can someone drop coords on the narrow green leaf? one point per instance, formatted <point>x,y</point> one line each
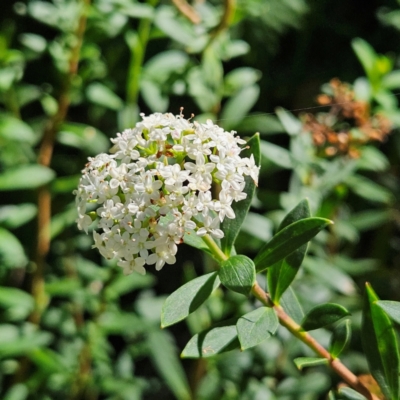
<point>292,306</point>
<point>340,338</point>
<point>211,342</point>
<point>368,189</point>
<point>302,362</point>
<point>391,308</point>
<point>25,177</point>
<point>101,95</point>
<point>331,395</point>
<point>15,303</point>
<point>12,128</point>
<point>281,274</point>
<point>238,274</point>
<point>291,124</point>
<point>256,326</point>
<point>276,154</point>
<point>237,107</point>
<point>18,391</point>
<point>13,216</point>
<point>231,227</point>
<point>12,253</point>
<point>288,240</point>
<point>165,359</point>
<point>366,55</point>
<point>322,315</point>
<point>188,298</point>
<point>380,345</point>
<point>347,393</point>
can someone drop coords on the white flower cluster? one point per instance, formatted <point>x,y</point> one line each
<point>156,185</point>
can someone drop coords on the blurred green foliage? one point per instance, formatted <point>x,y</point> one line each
<point>76,72</point>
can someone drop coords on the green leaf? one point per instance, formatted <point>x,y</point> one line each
<point>152,94</point>
<point>18,391</point>
<point>276,154</point>
<point>256,326</point>
<point>213,341</point>
<point>16,345</point>
<point>178,30</point>
<point>12,254</point>
<point>347,393</point>
<point>127,284</point>
<point>83,137</point>
<point>13,216</point>
<point>101,95</point>
<point>380,345</point>
<point>160,67</point>
<point>322,315</point>
<point>367,56</point>
<point>291,124</point>
<point>369,190</point>
<point>241,77</point>
<point>340,338</point>
<point>281,274</point>
<point>291,304</point>
<point>331,395</point>
<point>165,359</point>
<point>288,240</point>
<point>264,124</point>
<point>12,128</point>
<point>329,275</point>
<point>391,308</point>
<point>188,298</point>
<point>62,220</point>
<point>17,304</point>
<point>302,362</point>
<point>370,219</point>
<point>238,273</point>
<point>237,107</point>
<point>25,177</point>
<point>231,227</point>
<point>372,159</point>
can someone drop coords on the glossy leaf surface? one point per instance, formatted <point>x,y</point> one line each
<point>302,362</point>
<point>340,338</point>
<point>25,177</point>
<point>380,345</point>
<point>231,227</point>
<point>288,240</point>
<point>188,298</point>
<point>211,342</point>
<point>391,308</point>
<point>282,273</point>
<point>323,315</point>
<point>256,326</point>
<point>238,274</point>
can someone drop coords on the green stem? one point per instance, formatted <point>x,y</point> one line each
<point>138,52</point>
<point>215,249</point>
<point>295,329</point>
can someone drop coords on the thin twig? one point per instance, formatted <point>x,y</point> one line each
<point>229,11</point>
<point>187,10</point>
<point>295,329</point>
<point>44,158</point>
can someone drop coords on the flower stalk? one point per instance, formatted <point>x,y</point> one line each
<point>295,329</point>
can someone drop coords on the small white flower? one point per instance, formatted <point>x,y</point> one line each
<point>156,185</point>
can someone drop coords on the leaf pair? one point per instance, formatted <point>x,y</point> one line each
<point>380,343</point>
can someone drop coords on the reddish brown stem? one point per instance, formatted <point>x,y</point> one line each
<point>44,158</point>
<point>294,328</point>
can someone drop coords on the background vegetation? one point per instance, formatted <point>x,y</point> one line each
<point>75,72</point>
